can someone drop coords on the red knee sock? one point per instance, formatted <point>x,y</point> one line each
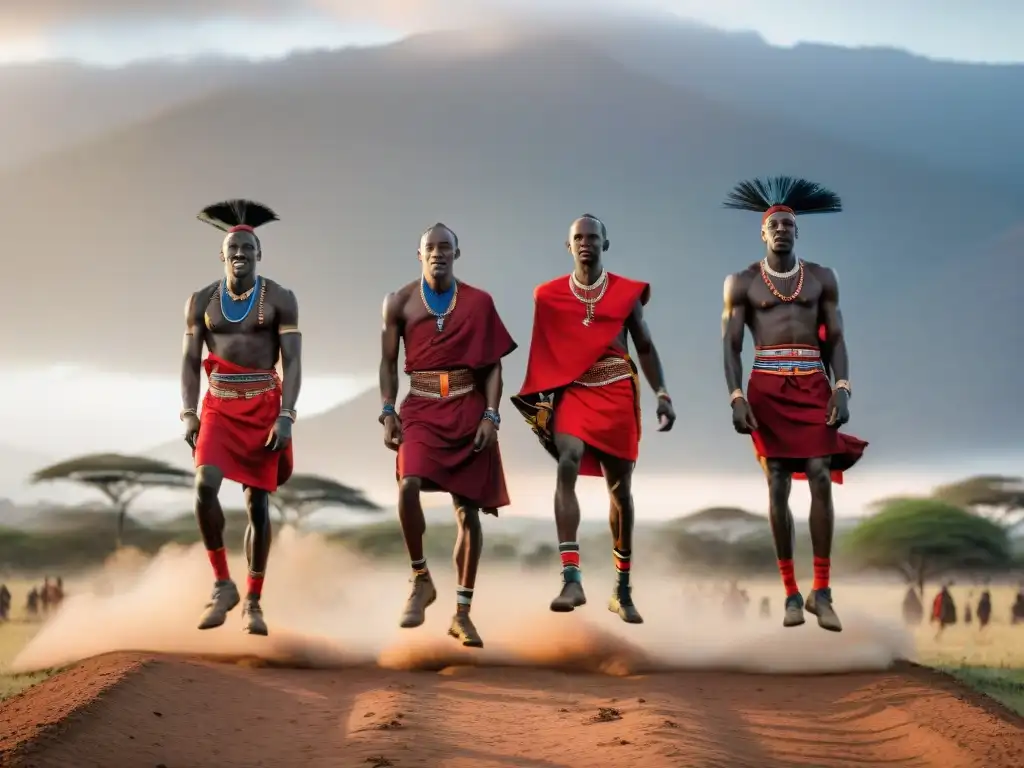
<point>219,561</point>
<point>788,577</point>
<point>822,569</point>
<point>254,585</point>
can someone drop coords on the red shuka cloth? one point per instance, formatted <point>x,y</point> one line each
<point>233,433</point>
<point>605,418</point>
<point>437,434</point>
<point>791,413</point>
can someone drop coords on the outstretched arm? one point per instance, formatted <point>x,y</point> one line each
<point>832,319</point>
<point>291,350</point>
<point>646,352</point>
<point>192,354</point>
<point>734,325</point>
<point>390,338</point>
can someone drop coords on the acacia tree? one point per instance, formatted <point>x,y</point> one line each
<point>304,494</point>
<point>118,477</point>
<point>923,539</point>
<point>992,495</point>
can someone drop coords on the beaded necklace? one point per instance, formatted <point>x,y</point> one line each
<point>440,305</point>
<point>798,269</point>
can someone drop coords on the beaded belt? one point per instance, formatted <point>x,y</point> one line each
<point>230,386</point>
<point>607,370</point>
<point>442,384</point>
<point>788,361</point>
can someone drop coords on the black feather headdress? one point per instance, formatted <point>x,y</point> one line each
<point>235,215</point>
<point>781,193</point>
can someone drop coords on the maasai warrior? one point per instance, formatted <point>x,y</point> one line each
<point>248,323</point>
<point>791,408</point>
<point>446,432</point>
<point>581,397</point>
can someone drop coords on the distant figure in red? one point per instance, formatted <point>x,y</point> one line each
<point>792,409</point>
<point>248,323</point>
<point>943,609</point>
<point>446,430</point>
<point>581,397</point>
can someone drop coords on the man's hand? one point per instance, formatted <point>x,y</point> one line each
<point>191,422</point>
<point>838,408</point>
<point>486,435</point>
<point>281,434</point>
<point>666,414</point>
<point>392,431</point>
<point>743,420</point>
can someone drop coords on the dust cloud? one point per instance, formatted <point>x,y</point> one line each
<point>328,608</point>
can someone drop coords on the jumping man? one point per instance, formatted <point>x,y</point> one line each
<point>446,432</point>
<point>243,433</point>
<point>581,397</point>
<point>792,409</point>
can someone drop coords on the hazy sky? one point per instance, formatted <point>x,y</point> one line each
<point>66,410</point>
<point>114,31</point>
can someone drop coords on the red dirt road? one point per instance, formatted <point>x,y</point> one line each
<point>140,711</point>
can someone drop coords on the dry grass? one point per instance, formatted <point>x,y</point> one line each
<point>15,635</point>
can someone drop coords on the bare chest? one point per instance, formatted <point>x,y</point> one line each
<point>798,293</point>
<point>226,316</point>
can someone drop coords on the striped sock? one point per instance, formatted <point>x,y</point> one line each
<point>622,558</point>
<point>463,599</point>
<point>419,566</point>
<point>219,561</point>
<point>570,554</point>
<point>822,571</point>
<point>254,585</point>
<point>788,577</point>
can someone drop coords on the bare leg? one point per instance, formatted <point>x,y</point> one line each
<point>780,485</point>
<point>819,602</point>
<point>567,522</point>
<point>258,535</point>
<point>414,525</point>
<point>469,543</point>
<point>210,517</point>
<point>618,475</point>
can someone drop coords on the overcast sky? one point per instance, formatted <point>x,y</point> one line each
<point>116,31</point>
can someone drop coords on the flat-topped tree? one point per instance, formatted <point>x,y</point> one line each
<point>995,496</point>
<point>119,477</point>
<point>303,495</point>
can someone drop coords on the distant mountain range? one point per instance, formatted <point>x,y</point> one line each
<point>359,150</point>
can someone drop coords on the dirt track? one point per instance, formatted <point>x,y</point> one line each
<point>145,711</point>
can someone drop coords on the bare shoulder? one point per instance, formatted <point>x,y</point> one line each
<point>278,295</point>
<point>825,275</point>
<point>738,283</point>
<point>195,306</point>
<point>820,271</point>
<point>394,303</point>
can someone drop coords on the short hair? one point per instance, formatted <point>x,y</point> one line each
<point>592,217</point>
<point>439,225</point>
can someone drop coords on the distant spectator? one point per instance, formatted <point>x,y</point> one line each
<point>766,608</point>
<point>1017,611</point>
<point>944,609</point>
<point>5,602</point>
<point>913,610</point>
<point>32,602</point>
<point>984,609</point>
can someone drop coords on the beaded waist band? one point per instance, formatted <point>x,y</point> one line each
<point>605,371</point>
<point>442,384</point>
<point>234,385</point>
<point>788,361</point>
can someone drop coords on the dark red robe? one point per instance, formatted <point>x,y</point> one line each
<point>606,418</point>
<point>234,432</point>
<point>792,414</point>
<point>438,434</point>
